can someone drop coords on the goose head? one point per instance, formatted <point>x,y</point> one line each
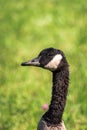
<point>49,58</point>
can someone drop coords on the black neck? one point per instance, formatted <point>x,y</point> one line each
<point>59,94</point>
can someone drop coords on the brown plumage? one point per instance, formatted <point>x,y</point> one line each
<point>43,126</point>
<point>55,61</point>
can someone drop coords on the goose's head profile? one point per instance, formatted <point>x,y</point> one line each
<point>49,58</point>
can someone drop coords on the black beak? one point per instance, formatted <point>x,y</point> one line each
<point>33,62</point>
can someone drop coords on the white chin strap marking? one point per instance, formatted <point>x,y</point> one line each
<point>53,64</point>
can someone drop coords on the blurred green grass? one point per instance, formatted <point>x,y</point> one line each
<point>26,27</point>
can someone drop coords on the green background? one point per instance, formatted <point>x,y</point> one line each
<point>26,27</point>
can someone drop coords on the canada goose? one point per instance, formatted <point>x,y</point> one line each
<point>55,61</point>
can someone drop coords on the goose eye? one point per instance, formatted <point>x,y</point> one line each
<point>49,54</point>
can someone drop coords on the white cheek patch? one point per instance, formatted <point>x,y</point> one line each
<point>53,64</point>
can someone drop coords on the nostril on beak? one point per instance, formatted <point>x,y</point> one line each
<point>33,60</point>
